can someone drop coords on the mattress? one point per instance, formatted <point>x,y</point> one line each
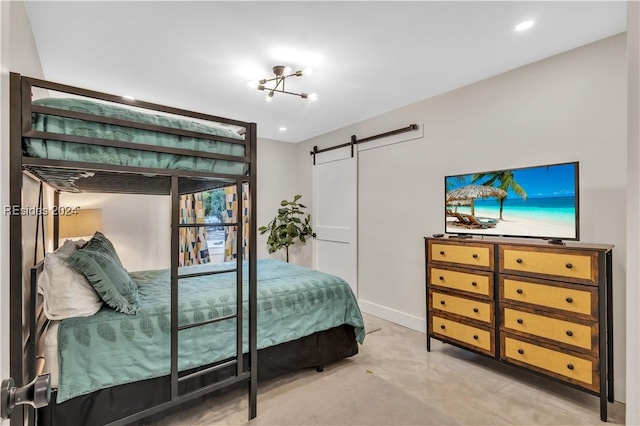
<point>57,150</point>
<point>111,348</point>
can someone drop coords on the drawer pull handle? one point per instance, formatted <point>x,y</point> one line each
<point>569,333</point>
<point>569,266</point>
<point>442,252</point>
<point>569,300</point>
<point>475,337</point>
<point>475,256</point>
<point>570,366</point>
<point>519,321</point>
<point>442,326</point>
<point>441,278</point>
<point>475,310</point>
<point>519,291</point>
<point>519,260</point>
<point>473,283</point>
<point>442,302</point>
<point>521,351</point>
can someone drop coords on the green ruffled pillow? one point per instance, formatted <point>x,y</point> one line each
<point>100,264</point>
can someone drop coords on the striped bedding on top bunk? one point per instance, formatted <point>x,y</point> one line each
<point>111,348</point>
<point>69,151</point>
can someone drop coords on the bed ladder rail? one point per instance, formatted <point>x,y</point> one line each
<point>208,370</point>
<point>209,321</point>
<point>201,274</point>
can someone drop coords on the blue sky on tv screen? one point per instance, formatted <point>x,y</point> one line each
<point>538,182</point>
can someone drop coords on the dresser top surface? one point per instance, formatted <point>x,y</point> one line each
<point>523,242</point>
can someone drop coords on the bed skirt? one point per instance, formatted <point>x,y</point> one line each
<point>107,405</point>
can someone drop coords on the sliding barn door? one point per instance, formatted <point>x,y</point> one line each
<point>335,214</point>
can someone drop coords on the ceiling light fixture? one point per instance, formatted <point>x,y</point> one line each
<point>281,74</point>
<point>525,25</point>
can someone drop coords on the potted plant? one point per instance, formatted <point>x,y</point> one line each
<point>288,226</point>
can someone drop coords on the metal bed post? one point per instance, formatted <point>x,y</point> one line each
<point>253,275</point>
<point>16,357</point>
<point>175,236</point>
<point>56,219</point>
<point>239,258</point>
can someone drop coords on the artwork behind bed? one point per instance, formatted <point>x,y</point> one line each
<point>111,348</point>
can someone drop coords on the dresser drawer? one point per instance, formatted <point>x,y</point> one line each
<point>579,336</point>
<point>580,370</point>
<point>476,338</point>
<point>572,265</point>
<point>567,298</point>
<point>469,308</point>
<point>475,255</point>
<point>480,283</point>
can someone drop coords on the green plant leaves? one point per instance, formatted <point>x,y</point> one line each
<point>286,228</point>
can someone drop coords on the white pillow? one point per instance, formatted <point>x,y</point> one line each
<point>67,293</point>
<point>51,352</point>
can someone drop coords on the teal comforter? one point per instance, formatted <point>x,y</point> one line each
<point>56,150</point>
<point>111,348</point>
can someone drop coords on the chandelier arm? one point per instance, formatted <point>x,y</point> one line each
<point>270,79</point>
<point>282,91</point>
<point>278,81</point>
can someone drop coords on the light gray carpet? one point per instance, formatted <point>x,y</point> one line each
<point>354,398</point>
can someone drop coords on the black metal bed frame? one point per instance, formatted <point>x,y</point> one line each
<point>27,320</point>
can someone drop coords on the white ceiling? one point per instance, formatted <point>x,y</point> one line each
<point>368,57</point>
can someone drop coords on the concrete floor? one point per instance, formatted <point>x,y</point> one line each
<point>470,388</point>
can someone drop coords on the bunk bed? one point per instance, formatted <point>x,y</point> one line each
<point>77,145</point>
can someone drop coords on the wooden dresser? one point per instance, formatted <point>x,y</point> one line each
<point>542,307</point>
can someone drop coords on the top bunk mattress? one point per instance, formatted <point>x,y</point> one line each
<point>70,151</point>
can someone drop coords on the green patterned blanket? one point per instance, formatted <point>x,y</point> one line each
<point>56,150</point>
<point>111,348</point>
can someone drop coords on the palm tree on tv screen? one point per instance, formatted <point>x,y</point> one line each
<point>507,181</point>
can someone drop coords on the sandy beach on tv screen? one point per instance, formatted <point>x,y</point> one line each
<point>516,225</point>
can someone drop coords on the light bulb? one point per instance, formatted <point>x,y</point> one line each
<point>313,96</point>
<point>253,84</point>
<point>524,25</point>
<point>286,71</point>
<point>269,96</point>
<point>307,71</point>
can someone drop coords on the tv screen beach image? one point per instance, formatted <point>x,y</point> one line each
<point>529,202</point>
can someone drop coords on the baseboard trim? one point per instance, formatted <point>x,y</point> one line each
<point>401,318</point>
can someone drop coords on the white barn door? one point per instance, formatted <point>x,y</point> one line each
<point>335,214</point>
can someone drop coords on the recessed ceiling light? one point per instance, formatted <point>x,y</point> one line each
<point>525,25</point>
<point>283,129</point>
<point>129,97</point>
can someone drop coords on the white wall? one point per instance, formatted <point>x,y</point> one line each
<point>571,107</point>
<point>633,213</point>
<point>4,191</point>
<point>276,182</point>
<point>139,225</point>
<point>18,53</point>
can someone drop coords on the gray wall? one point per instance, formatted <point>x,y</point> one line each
<point>570,107</point>
<point>633,213</point>
<point>18,53</point>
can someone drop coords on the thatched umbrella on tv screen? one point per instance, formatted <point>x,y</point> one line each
<point>471,192</point>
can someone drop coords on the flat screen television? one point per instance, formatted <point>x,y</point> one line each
<point>536,202</point>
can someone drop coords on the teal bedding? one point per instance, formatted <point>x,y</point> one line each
<point>56,150</point>
<point>111,348</point>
